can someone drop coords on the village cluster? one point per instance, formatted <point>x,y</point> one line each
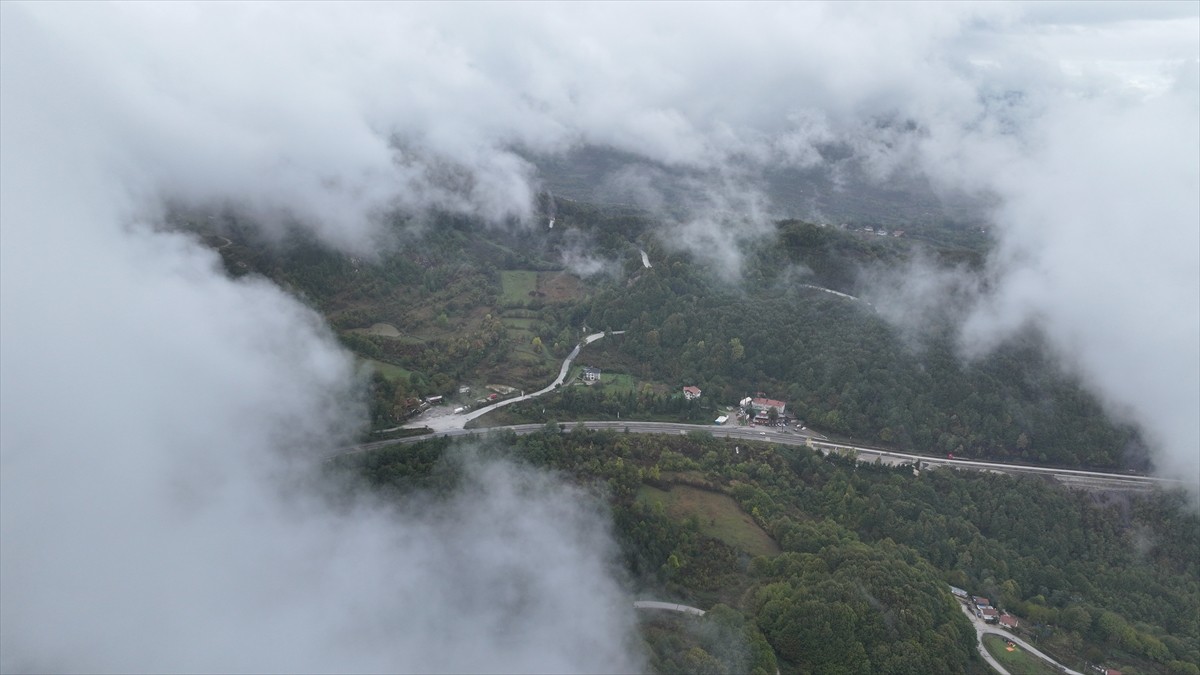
<point>982,607</point>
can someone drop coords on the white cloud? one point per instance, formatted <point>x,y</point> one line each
<point>160,421</point>
<point>143,392</point>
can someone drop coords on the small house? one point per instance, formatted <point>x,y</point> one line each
<point>981,602</point>
<point>591,374</point>
<point>691,393</point>
<point>989,614</point>
<point>958,592</point>
<point>1009,621</point>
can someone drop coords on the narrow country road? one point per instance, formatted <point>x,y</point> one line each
<point>562,375</point>
<point>982,628</point>
<point>450,423</point>
<point>668,607</point>
<point>979,633</point>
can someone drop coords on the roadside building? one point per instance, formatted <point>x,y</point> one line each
<point>762,405</point>
<point>691,393</point>
<point>989,614</point>
<point>1009,621</point>
<point>591,374</point>
<point>958,592</point>
<point>981,602</point>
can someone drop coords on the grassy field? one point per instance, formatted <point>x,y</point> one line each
<point>618,382</point>
<point>720,517</point>
<point>554,287</point>
<point>517,286</point>
<point>1017,660</point>
<point>519,323</point>
<point>389,370</point>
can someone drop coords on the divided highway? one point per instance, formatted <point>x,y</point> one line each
<point>454,425</point>
<point>1073,477</point>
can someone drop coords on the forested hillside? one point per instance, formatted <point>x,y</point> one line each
<point>855,575</point>
<point>449,301</point>
<point>844,370</point>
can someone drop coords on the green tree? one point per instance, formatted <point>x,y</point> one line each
<point>736,349</point>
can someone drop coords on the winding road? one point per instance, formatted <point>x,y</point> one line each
<point>452,422</point>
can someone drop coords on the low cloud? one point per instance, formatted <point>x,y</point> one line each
<point>147,399</point>
<point>162,423</point>
<point>1099,246</point>
<point>922,298</point>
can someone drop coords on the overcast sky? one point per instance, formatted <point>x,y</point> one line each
<point>149,404</point>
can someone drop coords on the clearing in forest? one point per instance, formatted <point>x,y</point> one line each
<point>1016,659</point>
<point>719,516</point>
<point>390,371</point>
<point>555,287</point>
<point>517,287</point>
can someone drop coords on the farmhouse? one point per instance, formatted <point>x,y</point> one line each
<point>691,393</point>
<point>591,374</point>
<point>989,614</point>
<point>1009,621</point>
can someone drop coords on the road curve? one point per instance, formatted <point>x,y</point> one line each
<point>562,375</point>
<point>987,656</point>
<point>982,628</point>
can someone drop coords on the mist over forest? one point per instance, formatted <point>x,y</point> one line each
<point>205,208</point>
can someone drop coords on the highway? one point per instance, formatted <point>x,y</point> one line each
<point>1070,477</point>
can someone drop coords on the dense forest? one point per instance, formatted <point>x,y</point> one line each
<point>844,370</point>
<point>854,572</point>
<point>462,303</point>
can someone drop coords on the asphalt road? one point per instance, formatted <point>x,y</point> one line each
<point>1095,479</point>
<point>668,607</point>
<point>983,628</point>
<point>562,375</point>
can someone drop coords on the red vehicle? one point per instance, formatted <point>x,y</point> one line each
<point>950,455</point>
